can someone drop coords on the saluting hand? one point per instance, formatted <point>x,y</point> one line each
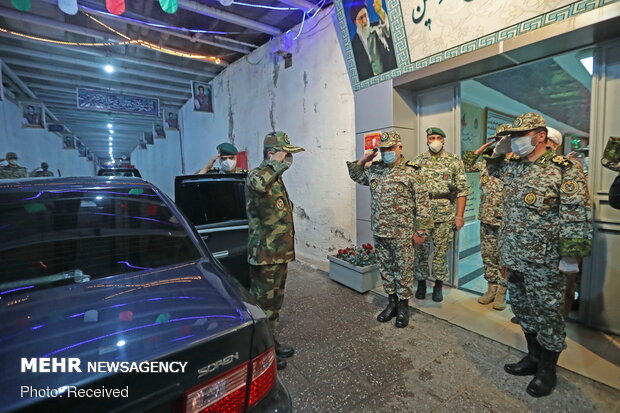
<point>368,157</point>
<point>279,156</point>
<point>209,164</point>
<point>483,147</point>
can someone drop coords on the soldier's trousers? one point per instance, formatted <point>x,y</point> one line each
<point>537,299</point>
<point>395,265</point>
<point>441,236</point>
<point>490,253</point>
<point>267,286</point>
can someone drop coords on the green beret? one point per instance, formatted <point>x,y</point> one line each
<point>435,131</point>
<point>227,149</point>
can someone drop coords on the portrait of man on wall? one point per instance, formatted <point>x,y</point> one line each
<point>33,115</point>
<point>158,130</point>
<point>68,142</point>
<point>171,119</point>
<point>148,138</point>
<point>371,37</point>
<point>202,96</point>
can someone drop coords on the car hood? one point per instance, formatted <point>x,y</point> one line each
<point>137,316</point>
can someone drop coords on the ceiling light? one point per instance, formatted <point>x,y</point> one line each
<point>108,68</point>
<point>588,64</point>
<point>110,143</point>
<point>109,126</point>
<point>110,138</point>
<point>111,132</point>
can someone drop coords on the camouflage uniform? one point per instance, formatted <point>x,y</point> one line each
<point>441,173</point>
<point>611,155</point>
<point>11,172</point>
<point>490,213</point>
<point>271,240</point>
<point>43,172</point>
<point>399,205</point>
<point>546,217</point>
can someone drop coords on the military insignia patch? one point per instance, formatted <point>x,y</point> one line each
<point>373,185</point>
<point>517,122</point>
<point>285,137</point>
<point>484,179</point>
<point>560,160</point>
<point>280,203</point>
<point>530,198</point>
<point>400,188</point>
<point>569,187</point>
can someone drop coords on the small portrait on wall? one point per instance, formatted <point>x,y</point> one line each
<point>148,137</point>
<point>142,144</point>
<point>68,142</point>
<point>33,115</point>
<point>171,119</point>
<point>371,37</point>
<point>158,130</point>
<point>202,96</point>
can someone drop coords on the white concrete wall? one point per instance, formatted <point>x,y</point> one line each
<point>34,146</point>
<point>160,162</point>
<point>312,101</point>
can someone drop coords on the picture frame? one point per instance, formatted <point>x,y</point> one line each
<point>32,115</point>
<point>493,118</point>
<point>170,119</point>
<point>202,96</point>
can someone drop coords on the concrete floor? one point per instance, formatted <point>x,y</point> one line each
<point>346,361</point>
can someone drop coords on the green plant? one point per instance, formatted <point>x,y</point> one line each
<point>359,256</point>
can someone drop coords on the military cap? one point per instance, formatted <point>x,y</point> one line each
<point>44,165</point>
<point>279,141</point>
<point>500,131</point>
<point>389,139</point>
<point>11,155</point>
<point>526,122</point>
<point>435,131</point>
<point>227,149</point>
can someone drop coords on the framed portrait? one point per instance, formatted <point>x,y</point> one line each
<point>202,96</point>
<point>83,151</point>
<point>68,142</point>
<point>32,115</point>
<point>148,138</point>
<point>142,144</point>
<point>170,119</point>
<point>494,118</point>
<point>370,35</point>
<point>158,130</point>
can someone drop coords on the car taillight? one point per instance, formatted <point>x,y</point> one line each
<point>225,394</point>
<point>263,376</point>
<point>228,392</point>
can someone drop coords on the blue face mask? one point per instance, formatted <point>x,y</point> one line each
<point>522,146</point>
<point>388,157</point>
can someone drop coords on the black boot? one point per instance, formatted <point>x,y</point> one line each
<point>420,292</point>
<point>545,380</point>
<point>402,318</point>
<point>284,351</point>
<point>437,295</point>
<point>390,310</point>
<point>528,364</point>
<point>280,363</point>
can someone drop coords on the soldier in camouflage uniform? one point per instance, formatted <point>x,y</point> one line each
<point>271,239</point>
<point>12,169</point>
<point>227,154</point>
<point>42,171</point>
<point>399,205</point>
<point>444,176</point>
<point>546,228</point>
<point>611,155</point>
<point>490,216</point>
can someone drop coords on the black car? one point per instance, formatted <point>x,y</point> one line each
<point>122,171</point>
<point>109,275</point>
<point>215,204</point>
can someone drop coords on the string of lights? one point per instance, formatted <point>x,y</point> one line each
<point>42,39</point>
<point>261,6</point>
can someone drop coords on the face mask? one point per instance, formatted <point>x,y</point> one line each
<point>12,161</point>
<point>288,159</point>
<point>522,146</point>
<point>435,146</point>
<point>228,164</point>
<point>388,157</point>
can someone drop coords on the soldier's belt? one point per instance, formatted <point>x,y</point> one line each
<point>450,196</point>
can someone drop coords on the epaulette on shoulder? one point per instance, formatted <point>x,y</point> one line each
<point>214,170</point>
<point>377,162</point>
<point>561,161</point>
<point>514,158</point>
<point>243,171</point>
<point>412,165</point>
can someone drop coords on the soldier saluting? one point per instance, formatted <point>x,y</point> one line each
<point>546,228</point>
<point>399,205</point>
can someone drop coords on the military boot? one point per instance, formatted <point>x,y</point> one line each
<point>390,310</point>
<point>402,318</point>
<point>284,351</point>
<point>545,380</point>
<point>420,292</point>
<point>528,364</point>
<point>437,295</point>
<point>280,363</point>
<point>499,303</point>
<point>489,296</point>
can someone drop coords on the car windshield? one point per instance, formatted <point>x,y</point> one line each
<point>52,237</point>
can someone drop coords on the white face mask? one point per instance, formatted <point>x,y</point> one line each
<point>435,146</point>
<point>522,146</point>
<point>228,164</point>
